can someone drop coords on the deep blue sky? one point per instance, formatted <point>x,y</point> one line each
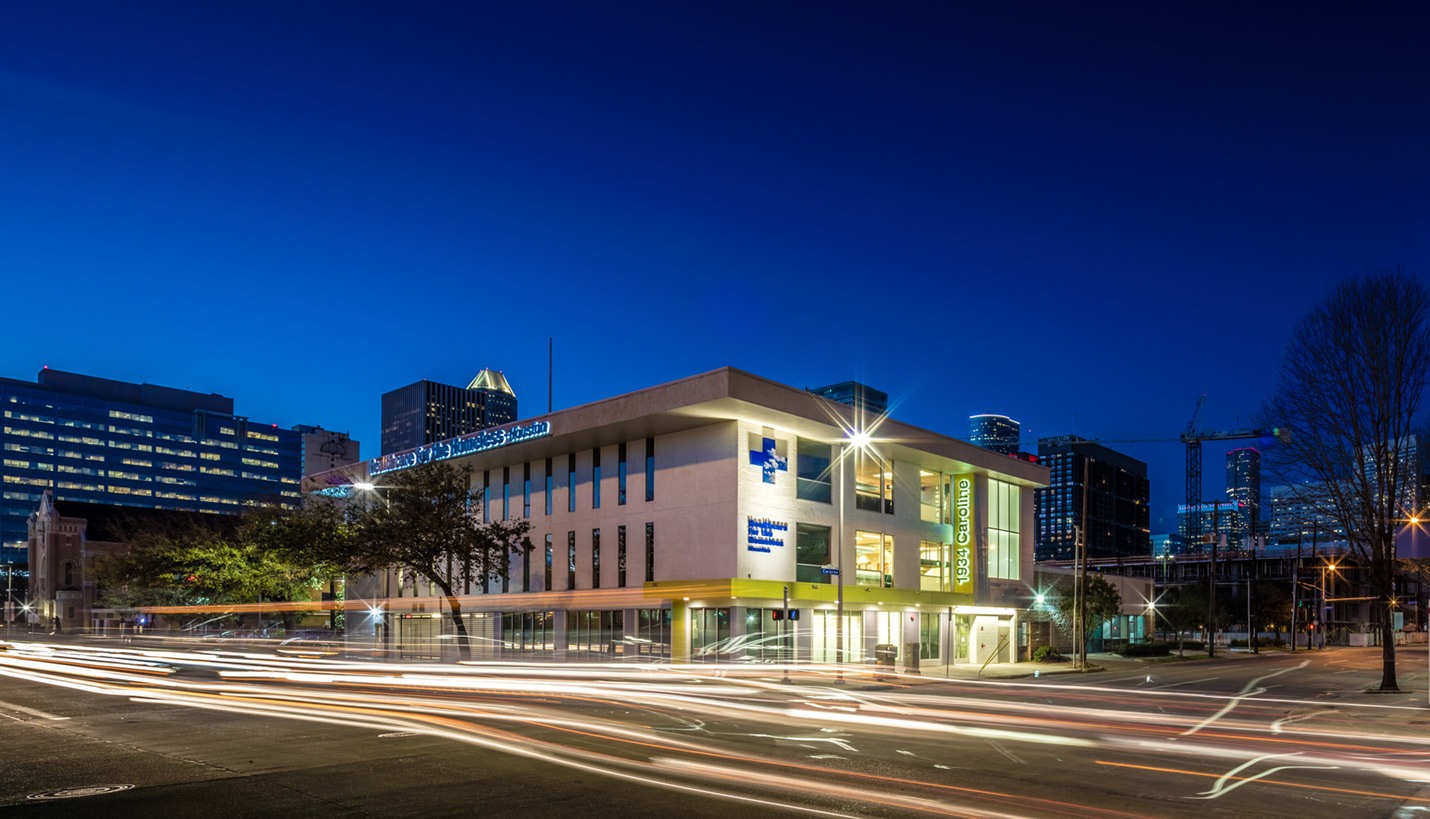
<point>1081,215</point>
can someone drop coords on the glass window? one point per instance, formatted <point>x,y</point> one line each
<point>621,557</point>
<point>934,565</point>
<point>930,496</point>
<point>650,469</point>
<point>526,490</point>
<point>1004,511</point>
<point>595,479</point>
<point>486,496</point>
<point>505,492</point>
<point>650,553</point>
<point>550,484</point>
<point>873,483</point>
<point>571,483</point>
<point>814,467</point>
<point>811,553</point>
<point>928,636</point>
<point>874,559</point>
<point>621,476</point>
<point>548,563</point>
<point>595,558</point>
<point>570,560</point>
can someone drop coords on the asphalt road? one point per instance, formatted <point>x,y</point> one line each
<point>206,735</point>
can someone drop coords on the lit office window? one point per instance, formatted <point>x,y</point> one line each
<point>868,482</point>
<point>1004,504</point>
<point>934,566</point>
<point>621,475</point>
<point>595,558</point>
<point>930,496</point>
<point>874,559</point>
<point>596,478</point>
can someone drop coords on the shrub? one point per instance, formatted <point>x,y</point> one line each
<point>1047,654</point>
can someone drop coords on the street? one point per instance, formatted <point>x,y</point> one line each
<point>178,732</point>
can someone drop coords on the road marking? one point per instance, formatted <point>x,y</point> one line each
<point>31,711</point>
<point>1189,682</point>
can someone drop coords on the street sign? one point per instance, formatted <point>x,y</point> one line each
<point>828,570</point>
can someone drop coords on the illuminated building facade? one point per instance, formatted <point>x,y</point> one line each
<point>96,440</point>
<point>427,411</point>
<point>1118,501</point>
<point>324,449</point>
<point>672,521</point>
<point>1243,488</point>
<point>996,432</point>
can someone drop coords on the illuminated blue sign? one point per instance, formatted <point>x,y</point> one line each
<point>769,455</point>
<point>465,445</point>
<point>762,533</point>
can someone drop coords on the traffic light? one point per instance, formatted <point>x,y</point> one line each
<point>794,614</point>
<point>777,614</point>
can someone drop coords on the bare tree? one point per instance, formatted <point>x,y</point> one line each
<point>1346,407</point>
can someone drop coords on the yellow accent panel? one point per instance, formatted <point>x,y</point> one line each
<point>805,594</point>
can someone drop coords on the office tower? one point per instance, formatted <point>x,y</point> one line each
<point>1118,501</point>
<point>854,394</point>
<point>96,440</point>
<point>996,432</point>
<point>323,449</point>
<point>427,411</point>
<point>1243,488</point>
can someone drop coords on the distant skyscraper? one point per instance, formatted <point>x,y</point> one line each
<point>427,412</point>
<point>1118,507</point>
<point>1243,487</point>
<point>996,432</point>
<point>854,394</point>
<point>1217,520</point>
<point>324,449</point>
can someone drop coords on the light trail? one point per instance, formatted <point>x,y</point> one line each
<point>664,726</point>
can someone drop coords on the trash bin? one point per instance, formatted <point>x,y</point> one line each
<point>885,655</point>
<point>911,658</point>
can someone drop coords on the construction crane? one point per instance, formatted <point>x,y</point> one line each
<point>1193,437</point>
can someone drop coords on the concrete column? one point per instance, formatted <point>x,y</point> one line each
<point>679,631</point>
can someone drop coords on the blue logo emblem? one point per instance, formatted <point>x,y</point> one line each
<point>769,456</point>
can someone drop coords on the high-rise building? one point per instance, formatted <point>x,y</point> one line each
<point>996,432</point>
<point>854,394</point>
<point>427,411</point>
<point>1243,488</point>
<point>95,440</point>
<point>1220,520</point>
<point>324,449</point>
<point>1118,501</point>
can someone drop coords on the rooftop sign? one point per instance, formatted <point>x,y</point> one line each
<point>465,445</point>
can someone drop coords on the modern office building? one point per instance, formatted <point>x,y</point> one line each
<point>1217,520</point>
<point>427,411</point>
<point>673,521</point>
<point>1117,504</point>
<point>853,394</point>
<point>96,440</point>
<point>1168,545</point>
<point>996,432</point>
<point>1243,487</point>
<point>324,449</point>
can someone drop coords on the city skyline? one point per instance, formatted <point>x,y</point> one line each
<point>309,214</point>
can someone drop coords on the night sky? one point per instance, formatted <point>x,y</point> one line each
<point>1080,215</point>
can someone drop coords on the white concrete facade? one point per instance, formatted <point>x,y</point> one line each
<point>725,537</point>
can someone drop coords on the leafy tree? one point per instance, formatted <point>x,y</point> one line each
<point>205,560</point>
<point>1184,608</point>
<point>1351,383</point>
<point>1103,603</point>
<point>428,527</point>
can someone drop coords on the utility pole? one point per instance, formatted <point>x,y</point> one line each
<point>1295,591</point>
<point>1211,579</point>
<point>1082,571</point>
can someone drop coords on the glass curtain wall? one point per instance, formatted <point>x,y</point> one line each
<point>1004,501</point>
<point>652,638</point>
<point>709,635</point>
<point>874,559</point>
<point>931,497</point>
<point>824,628</point>
<point>935,566</point>
<point>595,635</point>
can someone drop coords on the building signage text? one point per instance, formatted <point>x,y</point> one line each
<point>963,533</point>
<point>465,445</point>
<point>762,533</point>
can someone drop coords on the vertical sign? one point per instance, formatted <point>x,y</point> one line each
<point>963,542</point>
